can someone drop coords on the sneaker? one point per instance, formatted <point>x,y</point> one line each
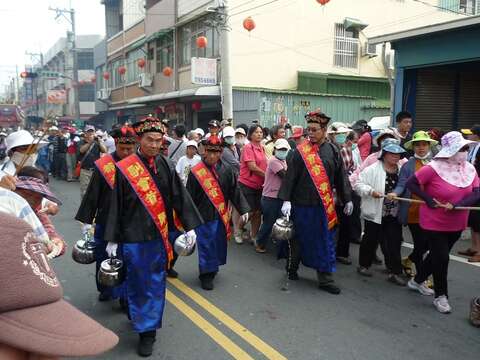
<point>396,279</point>
<point>421,288</point>
<point>442,305</point>
<point>364,271</point>
<point>407,265</point>
<point>238,239</point>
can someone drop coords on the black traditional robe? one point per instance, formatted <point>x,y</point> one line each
<point>130,218</point>
<point>96,201</point>
<point>227,179</point>
<point>298,187</point>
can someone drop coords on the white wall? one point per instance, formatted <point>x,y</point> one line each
<point>298,35</point>
<point>187,6</point>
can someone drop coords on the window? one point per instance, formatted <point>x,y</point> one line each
<point>86,92</point>
<point>164,52</point>
<point>346,47</point>
<point>188,44</point>
<point>116,79</point>
<point>467,7</point>
<point>85,60</point>
<point>133,71</point>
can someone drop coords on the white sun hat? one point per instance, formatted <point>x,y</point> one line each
<point>22,138</point>
<point>228,131</point>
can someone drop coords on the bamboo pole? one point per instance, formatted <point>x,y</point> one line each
<point>415,201</point>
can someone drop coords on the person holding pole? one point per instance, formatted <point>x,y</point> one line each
<point>447,182</point>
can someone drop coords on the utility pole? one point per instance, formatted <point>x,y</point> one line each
<point>41,79</point>
<point>226,80</point>
<point>71,20</point>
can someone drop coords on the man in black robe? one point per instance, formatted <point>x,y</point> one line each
<point>143,231</point>
<point>220,180</point>
<point>314,243</point>
<point>95,203</point>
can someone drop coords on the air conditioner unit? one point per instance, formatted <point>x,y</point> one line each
<point>145,80</point>
<point>103,94</point>
<point>369,50</point>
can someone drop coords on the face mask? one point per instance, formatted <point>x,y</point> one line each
<point>229,140</point>
<point>460,157</point>
<point>427,156</point>
<point>340,138</point>
<point>281,154</point>
<point>240,141</point>
<point>354,146</point>
<point>17,158</point>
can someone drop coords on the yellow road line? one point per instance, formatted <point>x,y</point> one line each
<point>229,346</point>
<point>240,330</point>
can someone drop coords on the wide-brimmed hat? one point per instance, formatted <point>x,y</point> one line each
<point>22,138</point>
<point>281,144</point>
<point>382,133</point>
<point>391,146</point>
<point>420,136</point>
<point>38,186</point>
<point>33,315</point>
<point>452,142</point>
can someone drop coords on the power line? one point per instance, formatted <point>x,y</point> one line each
<point>255,7</point>
<point>440,7</point>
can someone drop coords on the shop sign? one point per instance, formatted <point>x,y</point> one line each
<point>204,71</point>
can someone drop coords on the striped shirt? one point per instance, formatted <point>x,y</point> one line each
<point>15,205</point>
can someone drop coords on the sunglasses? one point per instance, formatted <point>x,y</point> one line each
<point>314,129</point>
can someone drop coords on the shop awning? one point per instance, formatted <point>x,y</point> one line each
<point>145,40</point>
<point>205,91</point>
<point>354,24</point>
<point>125,107</point>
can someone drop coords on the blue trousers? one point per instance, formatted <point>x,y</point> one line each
<point>212,246</point>
<point>316,242</point>
<point>271,210</point>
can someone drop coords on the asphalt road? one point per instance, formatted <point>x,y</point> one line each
<point>248,316</point>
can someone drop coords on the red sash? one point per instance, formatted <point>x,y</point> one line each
<point>212,188</point>
<point>147,191</point>
<point>106,166</point>
<point>319,177</point>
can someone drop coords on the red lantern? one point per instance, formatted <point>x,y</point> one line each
<point>106,75</point>
<point>167,71</point>
<point>202,42</point>
<point>249,24</point>
<point>93,79</point>
<point>141,63</point>
<point>122,70</point>
<point>196,105</point>
<point>323,2</point>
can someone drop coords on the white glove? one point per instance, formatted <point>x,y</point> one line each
<point>244,218</point>
<point>111,249</point>
<point>192,235</point>
<point>286,208</point>
<point>348,208</point>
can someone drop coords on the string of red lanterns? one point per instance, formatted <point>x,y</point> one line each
<point>202,42</point>
<point>141,63</point>
<point>167,71</point>
<point>248,24</point>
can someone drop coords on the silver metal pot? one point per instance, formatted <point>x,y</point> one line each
<point>282,230</point>
<point>184,245</point>
<point>111,272</point>
<point>84,251</point>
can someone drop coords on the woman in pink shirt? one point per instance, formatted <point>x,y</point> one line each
<point>448,181</point>
<point>253,164</point>
<point>365,138</point>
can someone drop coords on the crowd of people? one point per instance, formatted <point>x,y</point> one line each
<point>146,186</point>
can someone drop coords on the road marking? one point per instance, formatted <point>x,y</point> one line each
<point>453,257</point>
<point>217,336</point>
<point>240,330</point>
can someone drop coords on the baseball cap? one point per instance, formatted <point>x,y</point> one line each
<point>33,315</point>
<point>297,132</point>
<point>240,131</point>
<point>192,143</point>
<point>199,131</point>
<point>281,144</point>
<point>53,128</point>
<point>89,128</point>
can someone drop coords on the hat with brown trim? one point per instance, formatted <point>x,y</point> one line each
<point>317,116</point>
<point>149,124</point>
<point>33,315</point>
<point>213,143</point>
<point>124,135</point>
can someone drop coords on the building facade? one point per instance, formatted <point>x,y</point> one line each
<point>300,54</point>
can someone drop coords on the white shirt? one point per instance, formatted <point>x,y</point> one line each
<point>109,143</point>
<point>184,165</point>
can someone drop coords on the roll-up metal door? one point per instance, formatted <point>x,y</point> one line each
<point>434,99</point>
<point>468,99</point>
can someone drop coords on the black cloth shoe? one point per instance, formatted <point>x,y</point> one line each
<point>330,287</point>
<point>344,260</point>
<point>293,275</point>
<point>206,281</point>
<point>145,344</point>
<point>171,273</point>
<point>104,297</point>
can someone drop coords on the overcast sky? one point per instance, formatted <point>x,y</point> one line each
<point>28,25</point>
